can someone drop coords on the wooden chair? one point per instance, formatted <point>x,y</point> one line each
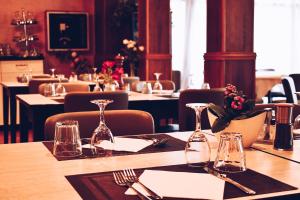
<point>289,89</point>
<point>186,116</point>
<point>34,84</point>
<point>120,122</point>
<point>70,87</point>
<point>296,78</point>
<point>80,101</point>
<point>166,85</point>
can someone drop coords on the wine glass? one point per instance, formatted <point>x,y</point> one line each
<point>157,85</point>
<point>52,72</point>
<point>197,149</point>
<point>60,89</point>
<point>102,139</point>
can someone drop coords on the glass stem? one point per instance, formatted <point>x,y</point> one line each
<point>101,116</point>
<point>198,112</point>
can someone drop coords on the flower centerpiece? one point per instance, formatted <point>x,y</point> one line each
<point>237,115</point>
<point>236,106</point>
<point>131,52</point>
<point>79,64</point>
<point>110,73</point>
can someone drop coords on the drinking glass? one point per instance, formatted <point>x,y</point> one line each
<point>205,86</point>
<point>52,72</point>
<point>197,149</point>
<point>230,156</point>
<point>296,127</point>
<point>67,141</point>
<point>49,90</point>
<point>157,85</point>
<point>60,89</point>
<point>102,136</point>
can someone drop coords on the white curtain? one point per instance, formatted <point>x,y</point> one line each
<point>277,35</point>
<point>189,40</point>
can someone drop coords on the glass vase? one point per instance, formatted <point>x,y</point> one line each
<point>102,140</point>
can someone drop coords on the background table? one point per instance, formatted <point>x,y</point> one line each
<point>38,107</point>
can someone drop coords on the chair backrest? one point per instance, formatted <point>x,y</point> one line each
<point>41,76</point>
<point>166,85</point>
<point>120,122</point>
<point>176,78</point>
<point>186,116</point>
<point>34,84</point>
<point>80,101</point>
<point>296,78</point>
<point>70,87</point>
<point>289,89</point>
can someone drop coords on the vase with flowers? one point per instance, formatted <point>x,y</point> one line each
<point>79,64</point>
<point>131,52</point>
<point>110,75</point>
<point>237,115</point>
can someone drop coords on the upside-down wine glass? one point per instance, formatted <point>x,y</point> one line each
<point>197,149</point>
<point>52,72</point>
<point>102,140</point>
<point>157,85</point>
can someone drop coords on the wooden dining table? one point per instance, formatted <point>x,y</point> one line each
<point>30,171</point>
<point>38,108</point>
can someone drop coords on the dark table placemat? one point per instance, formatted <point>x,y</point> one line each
<point>173,144</point>
<point>102,186</point>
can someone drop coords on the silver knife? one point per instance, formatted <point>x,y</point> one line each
<point>229,180</point>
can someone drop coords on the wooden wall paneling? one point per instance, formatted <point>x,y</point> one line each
<point>154,32</point>
<point>108,37</point>
<point>230,57</point>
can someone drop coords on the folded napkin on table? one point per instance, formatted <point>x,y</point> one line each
<point>124,144</point>
<point>181,184</point>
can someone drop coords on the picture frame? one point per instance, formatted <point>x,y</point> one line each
<point>67,31</point>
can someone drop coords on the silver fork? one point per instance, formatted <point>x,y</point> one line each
<point>132,177</point>
<point>121,180</point>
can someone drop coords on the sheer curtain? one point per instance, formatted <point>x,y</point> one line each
<point>277,35</point>
<point>189,40</point>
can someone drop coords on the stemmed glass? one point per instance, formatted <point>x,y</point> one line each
<point>197,149</point>
<point>60,89</point>
<point>52,72</point>
<point>102,139</point>
<point>157,85</point>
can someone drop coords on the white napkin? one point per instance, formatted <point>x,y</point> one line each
<point>124,144</point>
<point>181,184</point>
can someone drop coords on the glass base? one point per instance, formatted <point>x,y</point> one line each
<point>230,168</point>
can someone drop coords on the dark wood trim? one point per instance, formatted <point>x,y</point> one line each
<point>230,56</point>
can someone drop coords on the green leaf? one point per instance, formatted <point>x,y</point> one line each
<point>216,110</point>
<point>219,124</point>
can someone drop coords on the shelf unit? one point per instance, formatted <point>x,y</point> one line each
<point>25,19</point>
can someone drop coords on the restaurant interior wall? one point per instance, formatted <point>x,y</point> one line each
<point>52,60</point>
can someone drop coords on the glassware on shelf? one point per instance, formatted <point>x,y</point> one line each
<point>157,85</point>
<point>197,149</point>
<point>230,156</point>
<point>102,136</point>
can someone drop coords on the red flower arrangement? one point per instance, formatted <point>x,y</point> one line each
<point>236,106</point>
<point>110,72</point>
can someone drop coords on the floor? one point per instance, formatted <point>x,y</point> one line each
<point>30,137</point>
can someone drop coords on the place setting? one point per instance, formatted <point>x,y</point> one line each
<point>68,145</point>
<point>200,177</point>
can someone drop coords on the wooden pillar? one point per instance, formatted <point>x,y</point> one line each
<point>154,29</point>
<point>230,57</point>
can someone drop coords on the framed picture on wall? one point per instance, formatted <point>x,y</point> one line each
<point>67,31</point>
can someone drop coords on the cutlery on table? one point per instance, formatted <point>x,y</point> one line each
<point>121,180</point>
<point>132,177</point>
<point>229,180</point>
